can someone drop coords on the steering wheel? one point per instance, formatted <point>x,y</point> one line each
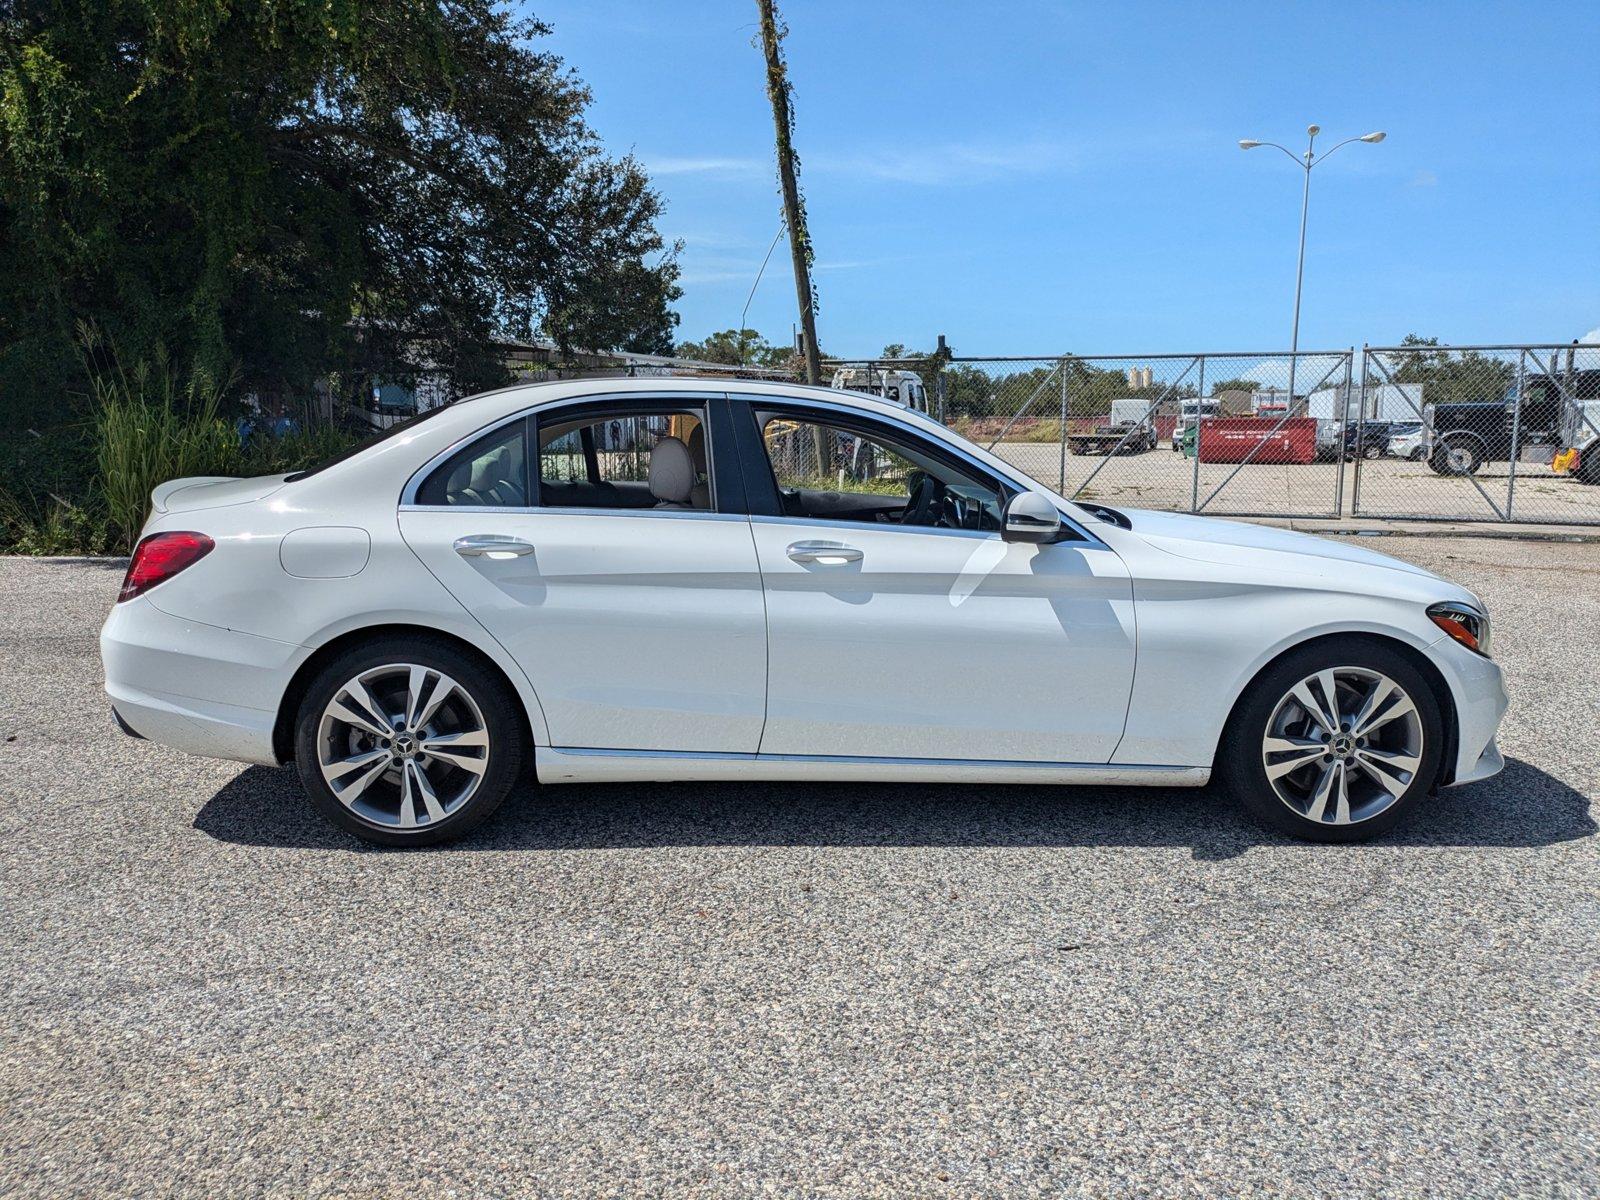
<point>955,511</point>
<point>924,495</point>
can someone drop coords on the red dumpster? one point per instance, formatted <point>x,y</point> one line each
<point>1234,439</point>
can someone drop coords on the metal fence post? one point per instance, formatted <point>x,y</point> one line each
<point>1062,432</point>
<point>1361,429</point>
<point>1355,493</point>
<point>1516,436</point>
<point>1338,483</point>
<point>1194,476</point>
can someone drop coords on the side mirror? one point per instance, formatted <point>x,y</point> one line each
<point>1030,518</point>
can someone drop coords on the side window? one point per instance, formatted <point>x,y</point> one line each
<point>841,473</point>
<point>653,459</point>
<point>490,472</point>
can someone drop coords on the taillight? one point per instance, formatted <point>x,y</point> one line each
<point>159,557</point>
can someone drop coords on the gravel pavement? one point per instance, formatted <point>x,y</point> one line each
<point>821,991</point>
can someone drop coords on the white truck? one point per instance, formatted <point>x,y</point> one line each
<point>1384,404</point>
<point>1190,412</point>
<point>1132,430</point>
<point>891,384</point>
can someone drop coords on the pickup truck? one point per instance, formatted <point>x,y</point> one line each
<point>1463,435</point>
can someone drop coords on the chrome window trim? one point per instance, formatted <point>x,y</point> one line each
<point>408,495</point>
<point>757,399</point>
<point>559,510</point>
<point>881,527</point>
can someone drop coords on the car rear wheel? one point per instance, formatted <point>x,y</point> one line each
<point>1335,742</point>
<point>408,742</point>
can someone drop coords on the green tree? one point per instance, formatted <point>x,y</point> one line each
<point>737,347</point>
<point>1235,385</point>
<point>1450,376</point>
<point>295,187</point>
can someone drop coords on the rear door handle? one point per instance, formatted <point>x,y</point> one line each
<point>491,545</point>
<point>826,553</point>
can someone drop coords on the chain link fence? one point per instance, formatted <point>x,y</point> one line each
<point>1414,432</point>
<point>1495,431</point>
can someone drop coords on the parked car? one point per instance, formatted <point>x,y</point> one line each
<point>1408,440</point>
<point>659,580</point>
<point>1371,439</point>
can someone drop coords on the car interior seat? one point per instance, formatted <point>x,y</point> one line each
<point>491,483</point>
<point>671,474</point>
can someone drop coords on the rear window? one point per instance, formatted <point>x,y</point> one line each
<point>491,472</point>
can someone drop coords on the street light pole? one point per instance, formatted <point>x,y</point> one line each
<point>1300,264</point>
<point>1305,164</point>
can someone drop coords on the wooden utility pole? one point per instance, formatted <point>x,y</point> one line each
<point>794,209</point>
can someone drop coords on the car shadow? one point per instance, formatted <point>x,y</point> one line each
<point>1522,807</point>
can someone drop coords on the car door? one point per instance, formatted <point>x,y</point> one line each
<point>900,625</point>
<point>632,600</point>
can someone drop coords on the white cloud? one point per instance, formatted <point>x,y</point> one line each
<point>1274,372</point>
<point>1424,179</point>
<point>722,168</point>
<point>1592,338</point>
<point>723,269</point>
<point>951,164</point>
<point>713,275</point>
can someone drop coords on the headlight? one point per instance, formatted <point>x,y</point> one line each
<point>1463,623</point>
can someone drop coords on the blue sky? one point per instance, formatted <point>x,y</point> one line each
<point>1032,178</point>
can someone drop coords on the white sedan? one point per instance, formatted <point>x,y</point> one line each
<point>688,580</point>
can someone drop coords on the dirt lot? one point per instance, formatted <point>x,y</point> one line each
<point>796,991</point>
<point>1389,487</point>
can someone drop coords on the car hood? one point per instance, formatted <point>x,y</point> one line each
<point>1207,539</point>
<point>211,491</point>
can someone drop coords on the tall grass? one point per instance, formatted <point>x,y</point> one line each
<point>145,426</point>
<point>151,427</point>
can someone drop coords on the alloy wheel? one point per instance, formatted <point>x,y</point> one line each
<point>402,746</point>
<point>1343,745</point>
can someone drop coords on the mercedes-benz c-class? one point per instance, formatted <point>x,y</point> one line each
<point>716,580</point>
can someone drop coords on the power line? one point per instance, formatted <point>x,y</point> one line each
<point>782,225</point>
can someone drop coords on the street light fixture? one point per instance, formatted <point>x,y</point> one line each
<point>1310,160</point>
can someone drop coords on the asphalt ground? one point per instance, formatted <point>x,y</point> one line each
<point>797,991</point>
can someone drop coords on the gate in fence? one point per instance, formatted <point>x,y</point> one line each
<point>1493,421</point>
<point>1414,432</point>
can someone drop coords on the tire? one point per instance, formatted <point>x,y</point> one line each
<point>1589,465</point>
<point>1417,454</point>
<point>1372,452</point>
<point>365,728</point>
<point>1305,801</point>
<point>1457,456</point>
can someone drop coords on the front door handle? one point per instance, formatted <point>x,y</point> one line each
<point>491,545</point>
<point>827,553</point>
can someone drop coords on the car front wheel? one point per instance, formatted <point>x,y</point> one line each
<point>408,742</point>
<point>1335,742</point>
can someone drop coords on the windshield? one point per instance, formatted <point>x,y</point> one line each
<point>397,428</point>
